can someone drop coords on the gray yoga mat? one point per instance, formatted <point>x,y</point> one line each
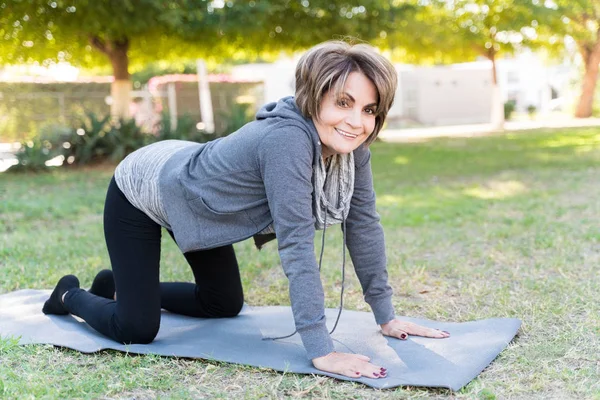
<point>448,363</point>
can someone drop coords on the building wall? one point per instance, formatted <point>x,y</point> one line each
<point>278,78</point>
<point>441,95</point>
<point>450,95</point>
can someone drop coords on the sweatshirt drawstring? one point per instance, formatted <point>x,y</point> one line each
<point>343,275</point>
<point>320,264</point>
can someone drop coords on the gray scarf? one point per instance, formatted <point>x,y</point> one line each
<point>333,182</point>
<point>333,187</point>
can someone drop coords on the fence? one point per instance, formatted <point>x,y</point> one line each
<point>26,108</point>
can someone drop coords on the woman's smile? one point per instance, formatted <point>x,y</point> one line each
<point>347,135</point>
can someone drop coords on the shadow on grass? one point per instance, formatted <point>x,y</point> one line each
<point>464,157</point>
<point>460,177</point>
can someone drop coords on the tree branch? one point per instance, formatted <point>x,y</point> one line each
<point>99,44</point>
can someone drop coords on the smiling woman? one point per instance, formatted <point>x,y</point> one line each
<point>304,164</point>
<point>348,118</point>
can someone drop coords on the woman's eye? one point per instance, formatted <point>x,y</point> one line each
<point>343,103</point>
<point>370,111</point>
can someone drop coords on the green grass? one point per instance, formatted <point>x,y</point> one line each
<point>500,226</point>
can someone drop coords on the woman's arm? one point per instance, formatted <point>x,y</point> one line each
<point>365,240</point>
<point>285,159</point>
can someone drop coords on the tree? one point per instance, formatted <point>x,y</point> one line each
<point>126,32</point>
<point>88,33</point>
<point>459,30</point>
<point>580,20</point>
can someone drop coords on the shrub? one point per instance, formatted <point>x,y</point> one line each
<point>185,128</point>
<point>509,108</point>
<point>124,137</point>
<point>89,143</point>
<point>98,139</point>
<point>33,155</point>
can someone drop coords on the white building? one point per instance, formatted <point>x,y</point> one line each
<point>442,95</point>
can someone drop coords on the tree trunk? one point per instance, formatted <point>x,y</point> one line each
<point>497,112</point>
<point>120,90</point>
<point>591,59</point>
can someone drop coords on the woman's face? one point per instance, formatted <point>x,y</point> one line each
<point>345,122</point>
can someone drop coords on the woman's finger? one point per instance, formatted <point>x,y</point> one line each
<point>419,330</point>
<point>350,365</point>
<point>367,370</point>
<point>413,329</point>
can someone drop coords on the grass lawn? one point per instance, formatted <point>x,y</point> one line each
<point>499,226</point>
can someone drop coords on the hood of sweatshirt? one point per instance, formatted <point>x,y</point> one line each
<point>287,108</point>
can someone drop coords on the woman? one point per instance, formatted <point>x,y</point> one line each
<point>303,164</point>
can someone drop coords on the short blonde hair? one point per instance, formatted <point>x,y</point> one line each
<point>326,67</point>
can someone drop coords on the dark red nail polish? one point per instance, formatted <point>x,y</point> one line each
<point>375,374</point>
<point>383,369</point>
<point>403,336</point>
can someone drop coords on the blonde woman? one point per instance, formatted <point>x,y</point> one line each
<point>303,164</point>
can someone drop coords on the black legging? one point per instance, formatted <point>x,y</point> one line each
<point>133,242</point>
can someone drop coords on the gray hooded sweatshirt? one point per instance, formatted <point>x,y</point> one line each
<point>228,190</point>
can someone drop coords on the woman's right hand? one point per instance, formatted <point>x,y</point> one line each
<point>350,365</point>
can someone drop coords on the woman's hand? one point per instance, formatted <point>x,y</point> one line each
<point>401,330</point>
<point>350,365</point>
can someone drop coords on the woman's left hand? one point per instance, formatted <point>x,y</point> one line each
<point>401,330</point>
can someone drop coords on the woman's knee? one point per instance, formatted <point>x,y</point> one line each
<point>232,308</point>
<point>138,333</point>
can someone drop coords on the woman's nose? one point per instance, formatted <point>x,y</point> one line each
<point>354,118</point>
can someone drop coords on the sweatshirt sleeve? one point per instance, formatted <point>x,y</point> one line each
<point>366,243</point>
<point>285,159</point>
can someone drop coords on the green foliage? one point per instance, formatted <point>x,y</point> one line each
<point>124,137</point>
<point>33,155</point>
<point>98,139</point>
<point>185,128</point>
<point>102,138</point>
<point>577,19</point>
<point>80,32</point>
<point>531,110</point>
<point>149,70</point>
<point>509,108</point>
<point>580,21</point>
<point>442,31</point>
<point>486,394</point>
<point>596,110</point>
<point>90,142</point>
<point>238,115</point>
<point>62,29</point>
